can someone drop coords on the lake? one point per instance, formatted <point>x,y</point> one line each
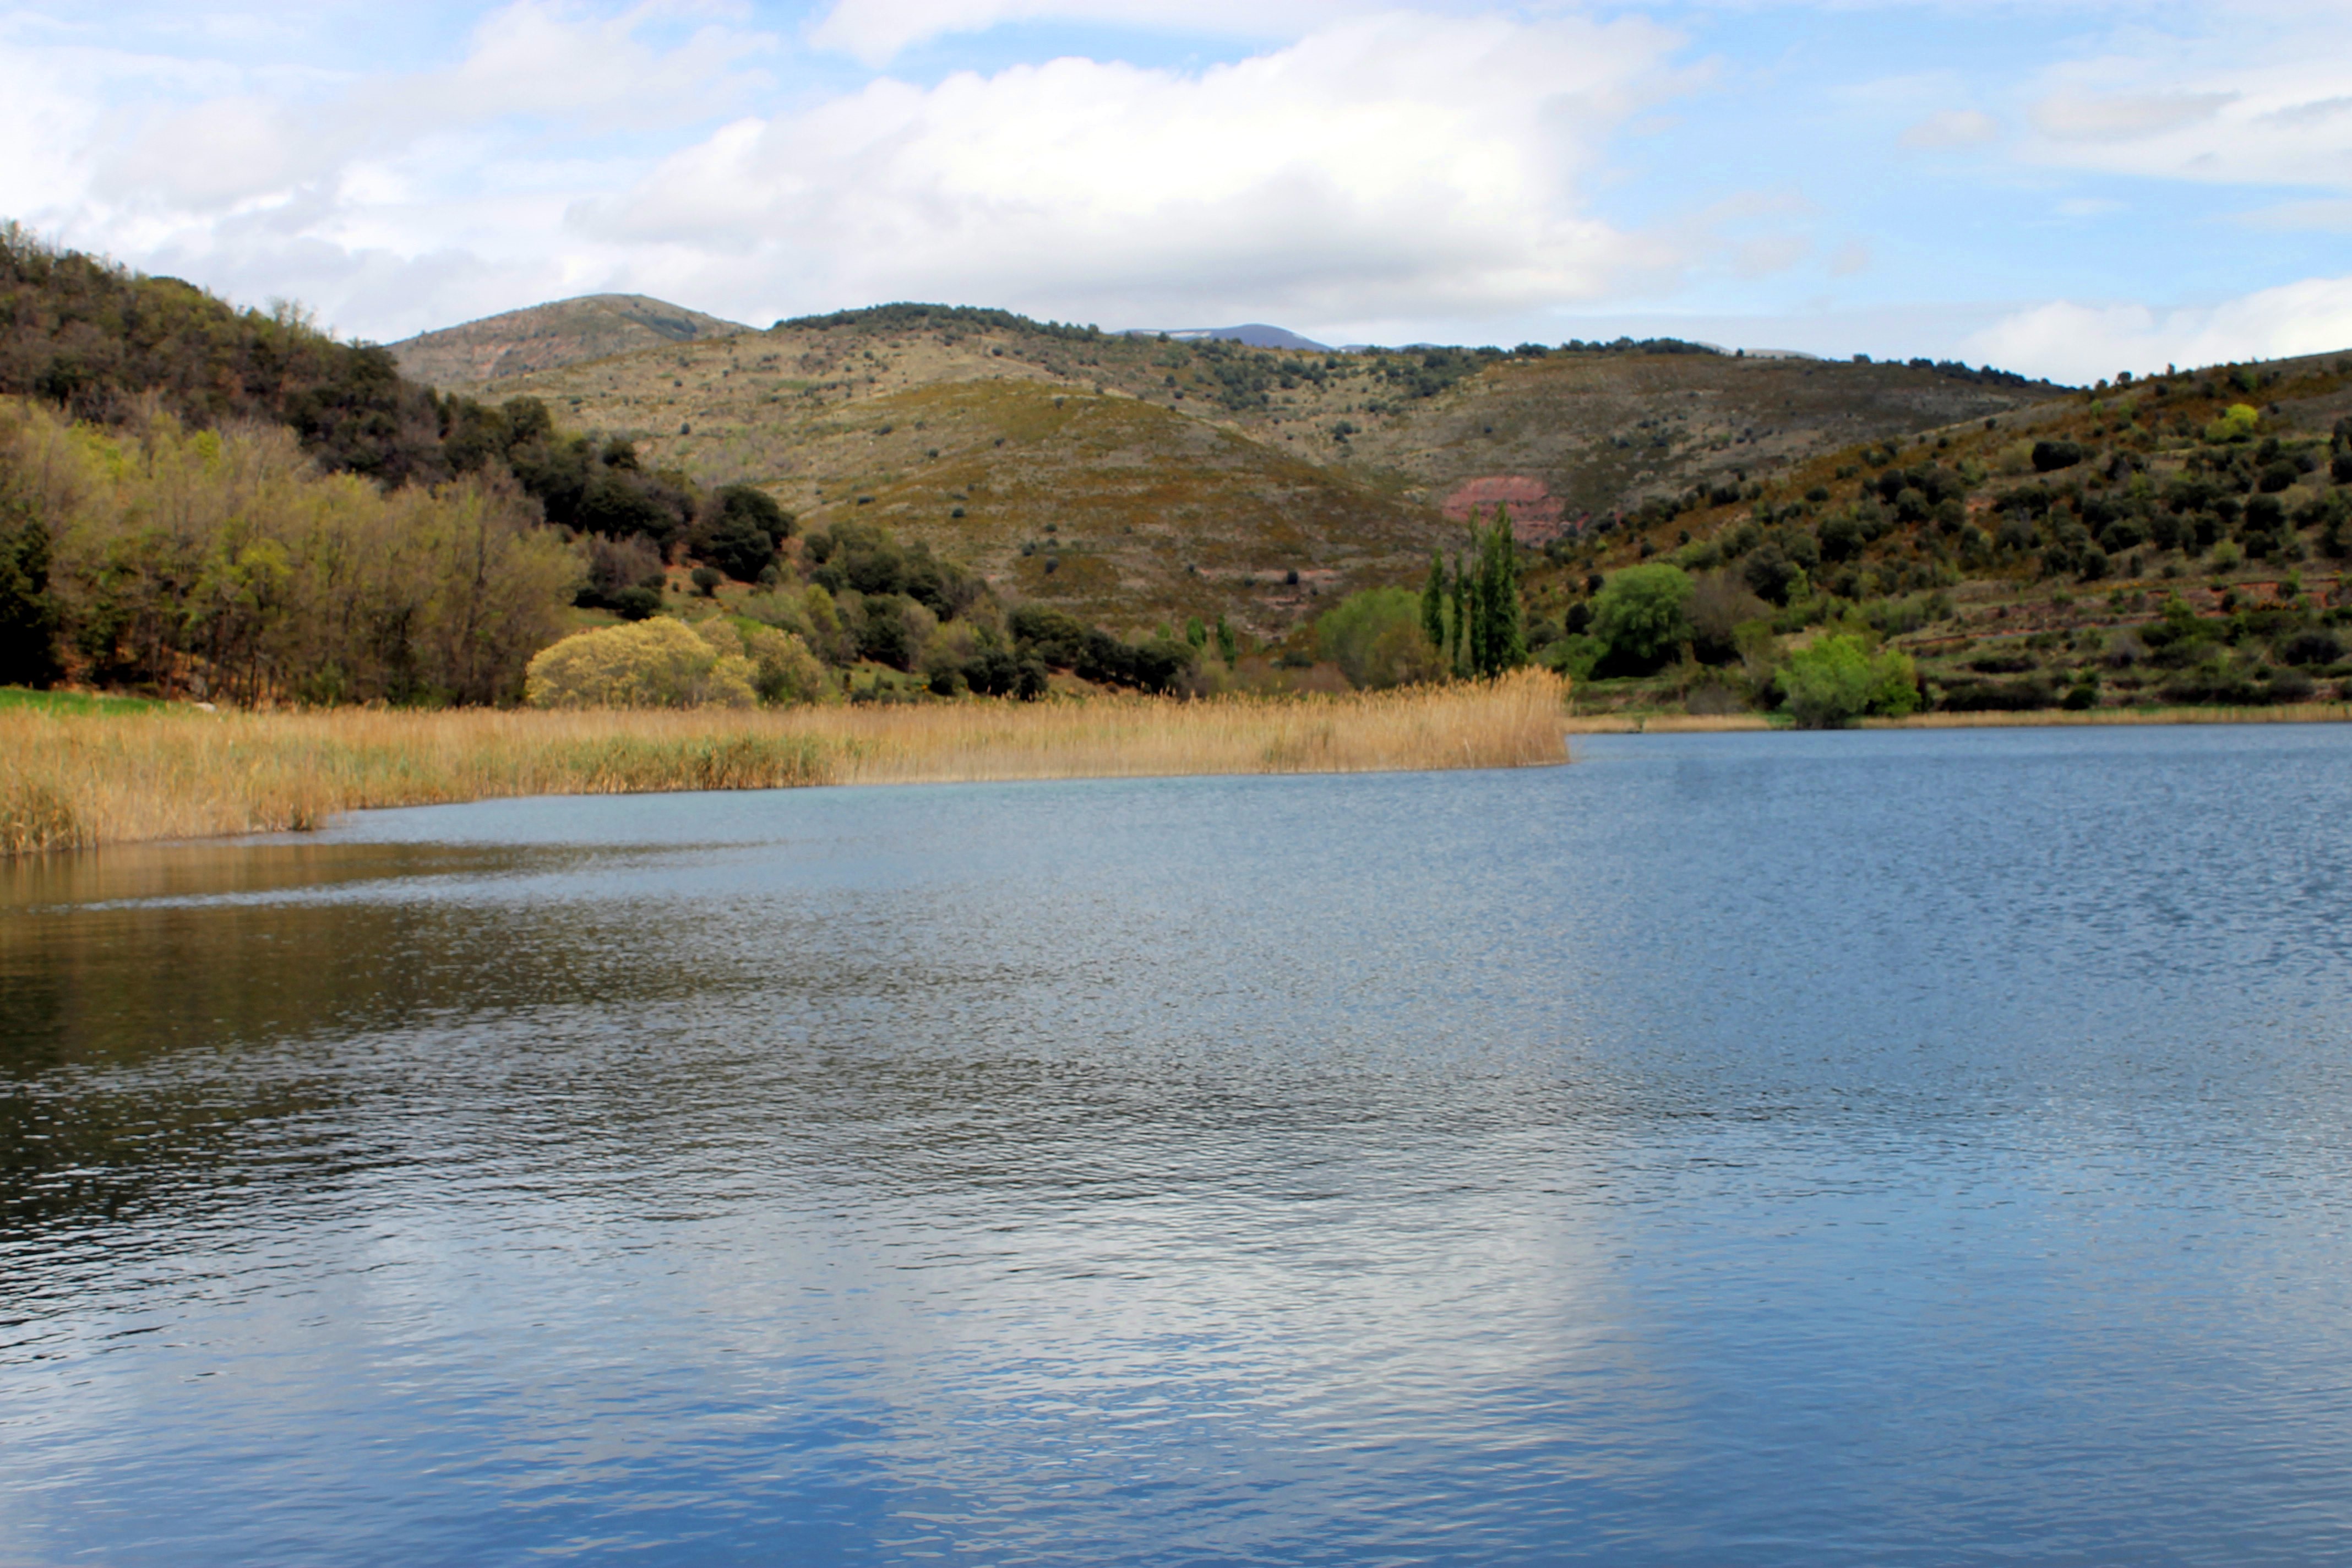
<point>1874,1148</point>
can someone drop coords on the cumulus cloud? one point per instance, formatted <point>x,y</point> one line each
<point>1346,177</point>
<point>2078,342</point>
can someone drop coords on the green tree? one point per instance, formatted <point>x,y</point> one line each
<point>1229,644</point>
<point>1643,615</point>
<point>1376,640</point>
<point>1838,680</point>
<point>1459,655</point>
<point>1432,602</point>
<point>28,617</point>
<point>1499,640</point>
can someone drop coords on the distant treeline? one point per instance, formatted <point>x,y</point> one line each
<point>909,317</point>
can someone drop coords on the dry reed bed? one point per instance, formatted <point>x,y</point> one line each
<point>77,781</point>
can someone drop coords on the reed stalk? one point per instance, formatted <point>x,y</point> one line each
<point>80,780</point>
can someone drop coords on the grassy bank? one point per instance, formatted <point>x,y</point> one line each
<point>77,779</point>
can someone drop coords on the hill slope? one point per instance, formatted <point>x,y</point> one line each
<point>1385,436</point>
<point>105,343</point>
<point>544,337</point>
<point>2176,541</point>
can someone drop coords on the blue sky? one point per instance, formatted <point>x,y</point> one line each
<point>2062,187</point>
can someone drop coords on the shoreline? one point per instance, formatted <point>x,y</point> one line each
<point>80,781</point>
<point>2029,719</point>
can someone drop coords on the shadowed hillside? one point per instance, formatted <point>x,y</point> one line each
<point>544,337</point>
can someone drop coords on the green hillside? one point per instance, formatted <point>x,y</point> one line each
<point>2175,542</point>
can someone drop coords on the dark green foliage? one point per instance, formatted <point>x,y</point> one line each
<point>1432,602</point>
<point>2314,646</point>
<point>740,530</point>
<point>2051,455</point>
<point>886,637</point>
<point>1058,639</point>
<point>1053,636</point>
<point>707,580</point>
<point>1641,617</point>
<point>1998,696</point>
<point>635,604</point>
<point>865,558</point>
<point>1771,574</point>
<point>624,575</point>
<point>1499,640</point>
<point>96,338</point>
<point>906,318</point>
<point>28,617</point>
<point>1841,538</point>
<point>997,671</point>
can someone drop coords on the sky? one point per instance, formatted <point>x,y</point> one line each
<point>2064,187</point>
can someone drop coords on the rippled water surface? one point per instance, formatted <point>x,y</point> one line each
<point>1890,1148</point>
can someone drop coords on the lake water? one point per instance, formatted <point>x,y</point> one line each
<point>1881,1148</point>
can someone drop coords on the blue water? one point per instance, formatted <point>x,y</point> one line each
<point>1879,1148</point>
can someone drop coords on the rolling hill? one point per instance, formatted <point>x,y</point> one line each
<point>543,337</point>
<point>1230,446</point>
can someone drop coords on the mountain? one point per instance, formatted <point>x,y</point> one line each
<point>1256,334</point>
<point>822,410</point>
<point>546,337</point>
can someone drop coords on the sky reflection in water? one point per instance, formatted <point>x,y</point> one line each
<point>1884,1148</point>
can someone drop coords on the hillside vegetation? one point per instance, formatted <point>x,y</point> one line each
<point>544,337</point>
<point>918,501</point>
<point>2174,540</point>
<point>824,410</point>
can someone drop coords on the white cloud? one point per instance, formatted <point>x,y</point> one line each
<point>2216,109</point>
<point>1347,176</point>
<point>2125,117</point>
<point>2081,342</point>
<point>1953,128</point>
<point>876,31</point>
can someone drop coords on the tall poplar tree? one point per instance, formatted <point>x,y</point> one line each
<point>1433,603</point>
<point>1463,592</point>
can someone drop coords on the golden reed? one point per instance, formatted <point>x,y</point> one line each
<point>72,781</point>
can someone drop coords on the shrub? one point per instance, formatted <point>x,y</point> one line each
<point>740,532</point>
<point>1997,696</point>
<point>1719,605</point>
<point>2238,423</point>
<point>2314,646</point>
<point>2049,457</point>
<point>783,670</point>
<point>1773,576</point>
<point>658,663</point>
<point>1642,614</point>
<point>1837,680</point>
<point>1376,638</point>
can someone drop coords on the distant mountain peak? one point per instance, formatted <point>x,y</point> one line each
<point>1255,334</point>
<point>550,336</point>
